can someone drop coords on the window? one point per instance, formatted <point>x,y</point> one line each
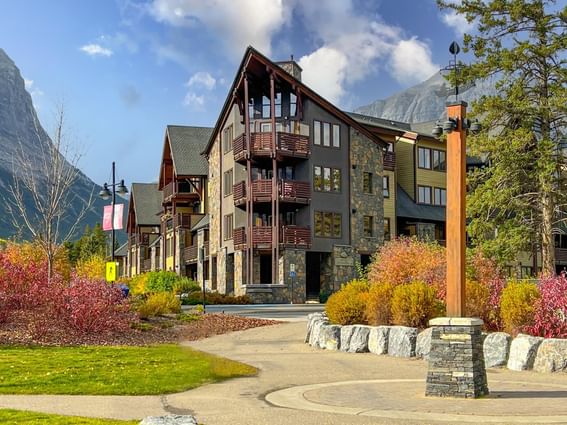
<point>367,182</point>
<point>228,226</point>
<point>424,158</point>
<point>387,235</point>
<point>368,230</point>
<point>227,138</point>
<point>265,127</point>
<point>265,107</point>
<point>424,194</point>
<point>386,186</point>
<point>292,105</point>
<point>317,132</point>
<point>278,105</point>
<point>336,136</point>
<point>439,196</point>
<point>228,182</point>
<point>439,160</point>
<point>251,109</point>
<point>327,225</point>
<point>326,134</point>
<point>326,179</point>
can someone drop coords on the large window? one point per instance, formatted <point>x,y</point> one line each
<point>336,136</point>
<point>424,194</point>
<point>251,108</point>
<point>317,132</point>
<point>432,159</point>
<point>292,105</point>
<point>228,226</point>
<point>387,235</point>
<point>266,107</point>
<point>326,179</point>
<point>326,134</point>
<point>424,158</point>
<point>228,182</point>
<point>439,160</point>
<point>367,182</point>
<point>386,186</point>
<point>227,138</point>
<point>327,225</point>
<point>278,104</point>
<point>368,229</point>
<point>439,196</point>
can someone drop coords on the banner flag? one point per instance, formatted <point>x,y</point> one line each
<point>107,221</point>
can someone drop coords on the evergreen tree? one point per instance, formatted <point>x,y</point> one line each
<point>518,199</point>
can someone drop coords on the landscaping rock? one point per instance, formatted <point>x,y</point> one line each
<point>310,321</point>
<point>346,334</point>
<point>378,339</point>
<point>401,341</point>
<point>423,344</point>
<point>315,330</point>
<point>330,337</point>
<point>523,352</point>
<point>551,356</point>
<point>359,339</point>
<point>496,348</point>
<point>169,420</point>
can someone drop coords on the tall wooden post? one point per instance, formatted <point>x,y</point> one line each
<point>456,216</point>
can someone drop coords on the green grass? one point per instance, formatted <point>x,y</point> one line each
<point>158,369</point>
<point>21,417</point>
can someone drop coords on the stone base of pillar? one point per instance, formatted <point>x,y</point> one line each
<point>456,359</point>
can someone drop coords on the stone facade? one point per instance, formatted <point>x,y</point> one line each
<point>239,273</point>
<point>201,264</point>
<point>221,271</point>
<point>344,269</point>
<point>214,197</point>
<point>179,247</point>
<point>456,359</point>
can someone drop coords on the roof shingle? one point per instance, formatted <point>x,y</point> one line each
<point>146,199</point>
<point>187,143</point>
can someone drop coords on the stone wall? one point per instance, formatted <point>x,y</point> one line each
<point>221,271</point>
<point>214,198</point>
<point>344,260</point>
<point>179,247</point>
<point>239,273</point>
<point>200,264</point>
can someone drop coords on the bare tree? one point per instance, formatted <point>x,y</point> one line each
<point>43,202</point>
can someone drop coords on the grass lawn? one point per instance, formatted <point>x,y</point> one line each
<point>31,418</point>
<point>157,369</point>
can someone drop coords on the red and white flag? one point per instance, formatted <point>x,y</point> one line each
<point>107,222</point>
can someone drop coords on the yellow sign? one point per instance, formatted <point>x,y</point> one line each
<point>111,272</point>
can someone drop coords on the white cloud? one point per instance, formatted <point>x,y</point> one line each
<point>237,23</point>
<point>202,79</point>
<point>194,101</point>
<point>96,50</point>
<point>34,92</point>
<point>457,22</point>
<point>411,61</point>
<point>324,70</point>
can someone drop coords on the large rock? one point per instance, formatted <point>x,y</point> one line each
<point>523,352</point>
<point>378,339</point>
<point>359,339</point>
<point>401,341</point>
<point>169,420</point>
<point>346,334</point>
<point>330,337</point>
<point>310,321</point>
<point>423,344</point>
<point>496,348</point>
<point>551,356</point>
<point>315,330</point>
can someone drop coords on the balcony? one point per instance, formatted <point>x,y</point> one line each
<point>139,239</point>
<point>191,254</point>
<point>295,191</point>
<point>181,190</point>
<point>289,191</point>
<point>287,145</point>
<point>186,220</point>
<point>290,237</point>
<point>390,161</point>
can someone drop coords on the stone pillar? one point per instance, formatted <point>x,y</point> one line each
<point>295,288</point>
<point>180,246</point>
<point>239,273</point>
<point>221,271</point>
<point>456,359</point>
<point>201,264</point>
<point>344,270</point>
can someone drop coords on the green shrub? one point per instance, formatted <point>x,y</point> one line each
<point>213,298</point>
<point>518,306</point>
<point>161,281</point>
<point>159,303</point>
<point>348,305</point>
<point>185,285</point>
<point>379,304</point>
<point>414,304</point>
<point>137,284</point>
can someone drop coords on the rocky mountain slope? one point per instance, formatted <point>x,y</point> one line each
<point>19,126</point>
<point>422,102</point>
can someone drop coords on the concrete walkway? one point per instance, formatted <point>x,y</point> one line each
<point>301,385</point>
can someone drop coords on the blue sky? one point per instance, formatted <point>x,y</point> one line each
<point>124,69</point>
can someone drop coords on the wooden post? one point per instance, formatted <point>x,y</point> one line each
<point>456,216</point>
<point>249,207</point>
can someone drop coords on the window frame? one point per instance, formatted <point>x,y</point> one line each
<point>228,189</point>
<point>367,189</point>
<point>430,194</point>
<point>228,219</point>
<point>320,140</point>
<point>434,198</point>
<point>333,216</point>
<point>332,180</point>
<point>428,156</point>
<point>227,139</point>
<point>386,190</point>
<point>388,234</point>
<point>368,220</point>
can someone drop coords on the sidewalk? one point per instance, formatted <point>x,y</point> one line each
<point>301,385</point>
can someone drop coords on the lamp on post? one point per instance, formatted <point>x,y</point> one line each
<point>106,194</point>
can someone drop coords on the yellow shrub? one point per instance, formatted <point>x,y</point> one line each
<point>138,284</point>
<point>517,305</point>
<point>414,304</point>
<point>477,300</point>
<point>93,267</point>
<point>158,304</point>
<point>379,304</point>
<point>348,305</point>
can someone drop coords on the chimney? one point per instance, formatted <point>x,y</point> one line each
<point>291,67</point>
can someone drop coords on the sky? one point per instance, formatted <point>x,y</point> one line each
<point>124,69</point>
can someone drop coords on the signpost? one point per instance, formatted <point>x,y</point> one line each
<point>111,271</point>
<point>292,275</point>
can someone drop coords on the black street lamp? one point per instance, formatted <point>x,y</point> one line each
<point>105,194</point>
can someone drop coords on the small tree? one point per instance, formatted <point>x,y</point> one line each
<point>42,195</point>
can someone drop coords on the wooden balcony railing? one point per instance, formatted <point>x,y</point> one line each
<point>239,236</point>
<point>289,191</point>
<point>287,144</point>
<point>295,236</point>
<point>290,236</point>
<point>239,193</point>
<point>390,161</point>
<point>293,144</point>
<point>139,239</point>
<point>191,253</point>
<point>180,188</point>
<point>182,220</point>
<point>295,191</point>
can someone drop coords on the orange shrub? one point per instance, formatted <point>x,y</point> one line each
<point>517,308</point>
<point>414,304</point>
<point>348,305</point>
<point>93,267</point>
<point>477,300</point>
<point>30,252</point>
<point>379,304</point>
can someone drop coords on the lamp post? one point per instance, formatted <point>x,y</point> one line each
<point>105,194</point>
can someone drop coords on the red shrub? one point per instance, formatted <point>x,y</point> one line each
<point>550,318</point>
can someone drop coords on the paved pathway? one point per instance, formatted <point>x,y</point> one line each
<point>287,312</point>
<point>300,385</point>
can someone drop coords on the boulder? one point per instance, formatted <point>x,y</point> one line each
<point>423,344</point>
<point>315,330</point>
<point>346,334</point>
<point>310,321</point>
<point>496,348</point>
<point>330,337</point>
<point>551,356</point>
<point>523,352</point>
<point>378,339</point>
<point>169,420</point>
<point>401,341</point>
<point>359,339</point>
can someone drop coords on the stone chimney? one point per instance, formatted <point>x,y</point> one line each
<point>291,67</point>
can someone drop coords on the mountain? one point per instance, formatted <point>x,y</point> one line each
<point>19,126</point>
<point>422,102</point>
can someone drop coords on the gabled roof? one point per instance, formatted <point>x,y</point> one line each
<point>186,144</point>
<point>253,54</point>
<point>146,200</point>
<point>406,207</point>
<point>422,129</point>
<point>122,250</point>
<point>201,224</point>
